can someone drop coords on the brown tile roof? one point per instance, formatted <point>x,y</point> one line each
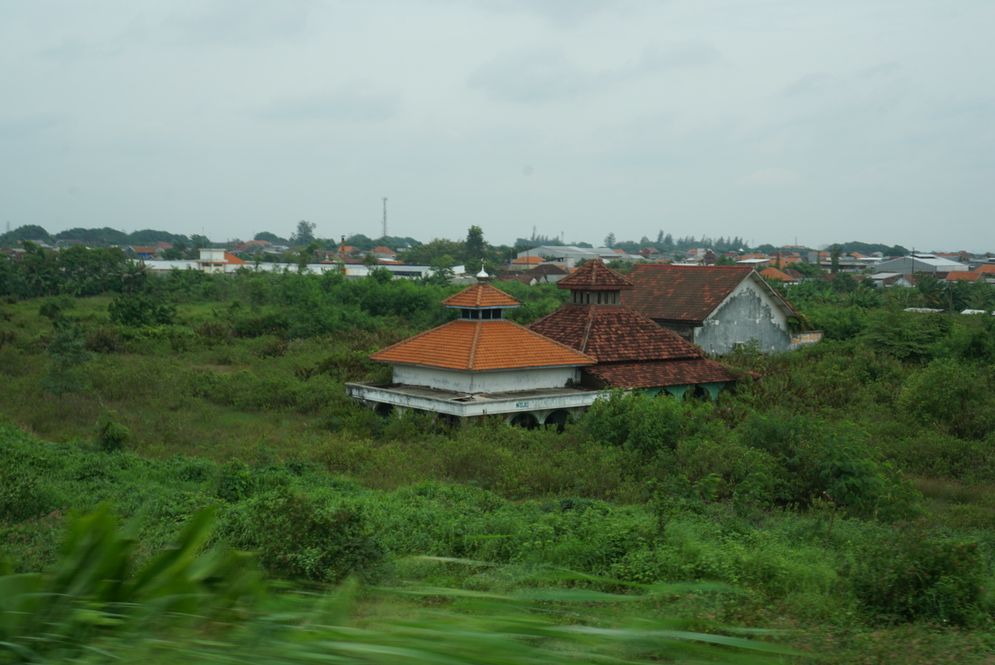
<point>481,295</point>
<point>632,351</point>
<point>527,260</point>
<point>595,276</point>
<point>681,293</point>
<point>611,333</point>
<point>481,346</point>
<point>659,374</point>
<point>988,268</point>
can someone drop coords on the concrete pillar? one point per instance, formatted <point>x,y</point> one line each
<point>677,391</point>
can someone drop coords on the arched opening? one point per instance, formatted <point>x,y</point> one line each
<point>697,394</point>
<point>383,410</point>
<point>524,419</point>
<point>557,419</point>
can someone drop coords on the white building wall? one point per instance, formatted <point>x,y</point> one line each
<point>748,314</point>
<point>486,382</point>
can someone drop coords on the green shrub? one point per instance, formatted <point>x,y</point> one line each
<point>935,454</point>
<point>300,536</point>
<point>235,482</point>
<point>819,461</point>
<point>23,495</point>
<point>104,339</point>
<point>951,396</point>
<point>638,421</point>
<point>140,309</point>
<point>911,576</point>
<point>214,332</point>
<point>111,435</point>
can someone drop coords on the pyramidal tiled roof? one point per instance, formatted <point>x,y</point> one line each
<point>594,276</point>
<point>611,333</point>
<point>632,351</point>
<point>481,295</point>
<point>474,345</point>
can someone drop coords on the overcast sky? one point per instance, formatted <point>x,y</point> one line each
<point>771,120</point>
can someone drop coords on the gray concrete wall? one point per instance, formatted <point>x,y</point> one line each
<point>747,315</point>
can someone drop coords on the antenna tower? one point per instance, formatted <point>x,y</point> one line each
<point>384,217</point>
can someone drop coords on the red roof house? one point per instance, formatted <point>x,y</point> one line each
<point>961,276</point>
<point>776,275</point>
<point>631,350</point>
<point>716,307</point>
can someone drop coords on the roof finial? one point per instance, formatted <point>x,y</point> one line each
<point>482,275</point>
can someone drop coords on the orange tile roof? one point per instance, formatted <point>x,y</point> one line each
<point>776,275</point>
<point>481,346</point>
<point>481,295</point>
<point>961,276</point>
<point>527,260</point>
<point>234,260</point>
<point>988,268</point>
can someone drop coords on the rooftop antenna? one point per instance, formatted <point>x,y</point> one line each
<point>384,217</point>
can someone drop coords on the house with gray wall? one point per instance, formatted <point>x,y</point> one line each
<point>716,307</point>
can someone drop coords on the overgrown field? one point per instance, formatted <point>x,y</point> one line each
<point>844,494</point>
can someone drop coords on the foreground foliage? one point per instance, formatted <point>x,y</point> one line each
<point>188,604</point>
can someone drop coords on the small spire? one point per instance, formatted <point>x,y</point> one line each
<point>482,275</point>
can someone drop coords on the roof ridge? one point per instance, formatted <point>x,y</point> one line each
<point>549,339</point>
<point>478,295</point>
<point>587,329</point>
<point>473,345</point>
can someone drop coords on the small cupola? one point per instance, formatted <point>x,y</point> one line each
<point>594,283</point>
<point>481,302</point>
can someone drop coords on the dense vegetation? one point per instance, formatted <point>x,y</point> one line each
<point>844,493</point>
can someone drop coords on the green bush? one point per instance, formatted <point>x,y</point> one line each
<point>820,461</point>
<point>637,421</point>
<point>140,309</point>
<point>23,495</point>
<point>111,435</point>
<point>104,339</point>
<point>952,396</point>
<point>911,576</point>
<point>235,482</point>
<point>305,536</point>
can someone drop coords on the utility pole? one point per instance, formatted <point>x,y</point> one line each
<point>384,217</point>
